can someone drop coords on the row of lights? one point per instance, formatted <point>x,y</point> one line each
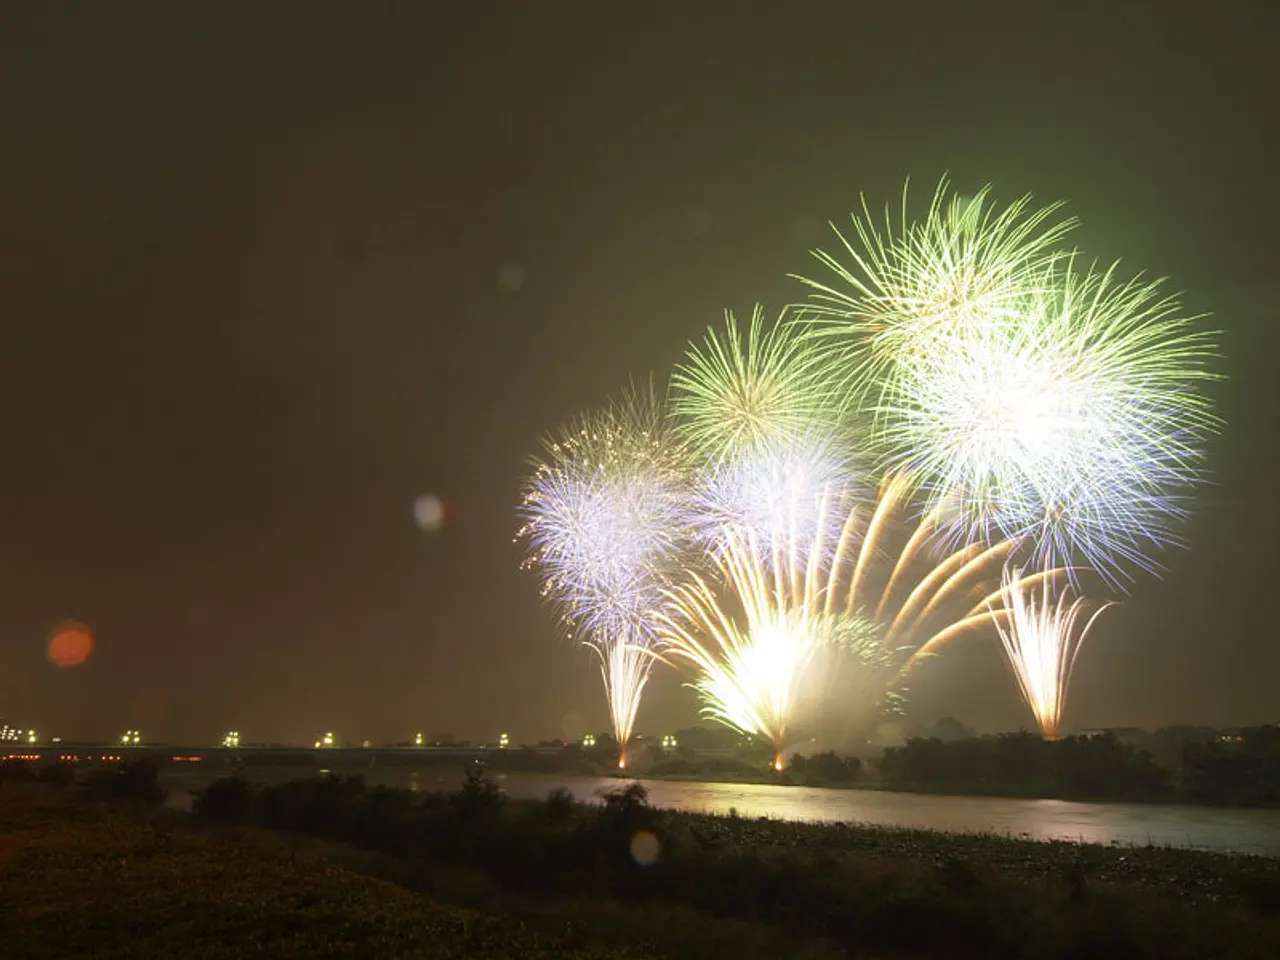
<point>10,734</point>
<point>231,740</point>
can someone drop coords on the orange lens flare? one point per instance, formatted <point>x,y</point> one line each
<point>70,644</point>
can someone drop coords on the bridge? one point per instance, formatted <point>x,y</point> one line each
<point>166,755</point>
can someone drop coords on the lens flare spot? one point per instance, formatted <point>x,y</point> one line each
<point>428,512</point>
<point>70,644</point>
<point>645,848</point>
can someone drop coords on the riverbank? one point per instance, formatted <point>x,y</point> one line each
<point>81,880</point>
<point>328,867</point>
<point>855,890</point>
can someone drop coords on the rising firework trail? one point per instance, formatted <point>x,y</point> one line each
<point>1041,643</point>
<point>605,522</point>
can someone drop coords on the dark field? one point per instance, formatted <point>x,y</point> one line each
<point>287,871</point>
<point>81,880</point>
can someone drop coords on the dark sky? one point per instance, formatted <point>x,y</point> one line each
<point>249,282</point>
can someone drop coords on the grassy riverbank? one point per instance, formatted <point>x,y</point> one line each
<point>861,891</point>
<point>330,868</point>
<point>81,880</point>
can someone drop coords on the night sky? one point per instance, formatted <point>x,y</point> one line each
<point>258,285</point>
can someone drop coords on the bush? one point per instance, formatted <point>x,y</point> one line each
<point>559,805</point>
<point>627,810</point>
<point>481,798</point>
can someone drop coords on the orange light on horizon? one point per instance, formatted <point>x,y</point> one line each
<point>70,644</point>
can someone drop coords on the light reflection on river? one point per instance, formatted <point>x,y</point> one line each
<point>1245,831</point>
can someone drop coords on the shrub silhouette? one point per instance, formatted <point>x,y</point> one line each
<point>481,798</point>
<point>627,809</point>
<point>559,805</point>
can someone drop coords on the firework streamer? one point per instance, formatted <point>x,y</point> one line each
<point>1041,643</point>
<point>605,523</point>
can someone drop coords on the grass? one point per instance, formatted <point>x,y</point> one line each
<point>818,890</point>
<point>329,868</point>
<point>81,880</point>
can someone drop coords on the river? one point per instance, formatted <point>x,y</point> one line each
<point>1239,831</point>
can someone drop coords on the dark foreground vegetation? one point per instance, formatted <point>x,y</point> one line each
<point>80,880</point>
<point>619,874</point>
<point>287,871</point>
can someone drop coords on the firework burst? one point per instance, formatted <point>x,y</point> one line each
<point>784,495</point>
<point>736,395</point>
<point>755,671</point>
<point>1078,430</point>
<point>605,523</point>
<point>1041,643</point>
<point>833,611</point>
<point>964,266</point>
<point>1028,396</point>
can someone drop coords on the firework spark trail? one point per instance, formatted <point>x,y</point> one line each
<point>773,493</point>
<point>1023,402</point>
<point>736,394</point>
<point>801,598</point>
<point>1031,397</point>
<point>624,668</point>
<point>1077,431</point>
<point>605,523</point>
<point>1041,644</point>
<point>752,676</point>
<point>963,265</point>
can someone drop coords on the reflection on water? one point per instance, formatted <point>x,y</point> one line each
<point>1246,831</point>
